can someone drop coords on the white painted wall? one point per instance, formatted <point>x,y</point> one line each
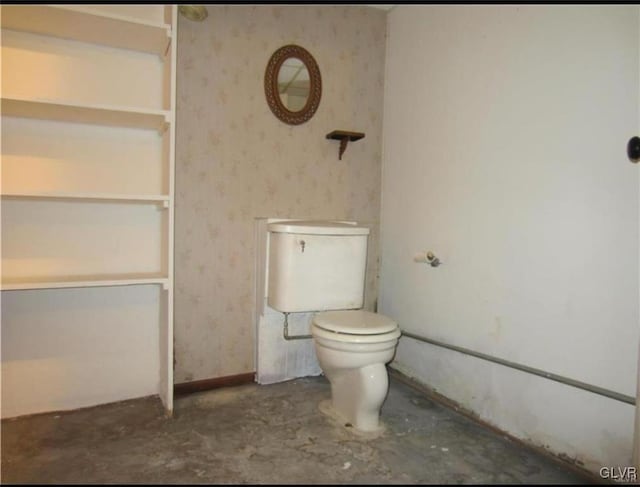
<point>70,348</point>
<point>505,130</point>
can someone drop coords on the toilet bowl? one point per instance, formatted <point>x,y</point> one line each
<point>352,349</point>
<point>320,266</point>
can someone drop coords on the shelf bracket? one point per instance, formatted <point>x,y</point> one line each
<point>344,137</point>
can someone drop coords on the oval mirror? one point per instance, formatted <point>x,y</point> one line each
<point>292,84</point>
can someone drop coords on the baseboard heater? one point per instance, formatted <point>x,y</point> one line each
<point>530,370</point>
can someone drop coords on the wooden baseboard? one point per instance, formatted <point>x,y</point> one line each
<point>208,384</point>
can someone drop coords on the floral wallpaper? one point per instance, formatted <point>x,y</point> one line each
<point>236,161</point>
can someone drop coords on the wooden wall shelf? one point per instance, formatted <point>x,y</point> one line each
<point>162,200</point>
<point>74,23</point>
<point>344,137</point>
<point>62,282</point>
<point>80,113</point>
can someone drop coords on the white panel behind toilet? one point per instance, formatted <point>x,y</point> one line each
<point>277,359</point>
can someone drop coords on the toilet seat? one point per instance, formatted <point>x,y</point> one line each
<point>354,326</point>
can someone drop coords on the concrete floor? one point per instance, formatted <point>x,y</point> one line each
<point>265,434</point>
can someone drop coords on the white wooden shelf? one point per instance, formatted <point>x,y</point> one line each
<point>85,197</point>
<point>76,24</point>
<point>80,113</point>
<point>62,282</point>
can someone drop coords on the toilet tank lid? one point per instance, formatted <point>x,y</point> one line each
<point>315,227</point>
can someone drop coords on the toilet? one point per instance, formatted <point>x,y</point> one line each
<point>319,266</point>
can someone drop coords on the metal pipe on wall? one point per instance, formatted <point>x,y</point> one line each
<point>530,370</point>
<point>285,331</point>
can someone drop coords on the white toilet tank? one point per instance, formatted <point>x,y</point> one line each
<point>316,265</point>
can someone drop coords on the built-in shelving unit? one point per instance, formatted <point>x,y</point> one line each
<point>87,204</point>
